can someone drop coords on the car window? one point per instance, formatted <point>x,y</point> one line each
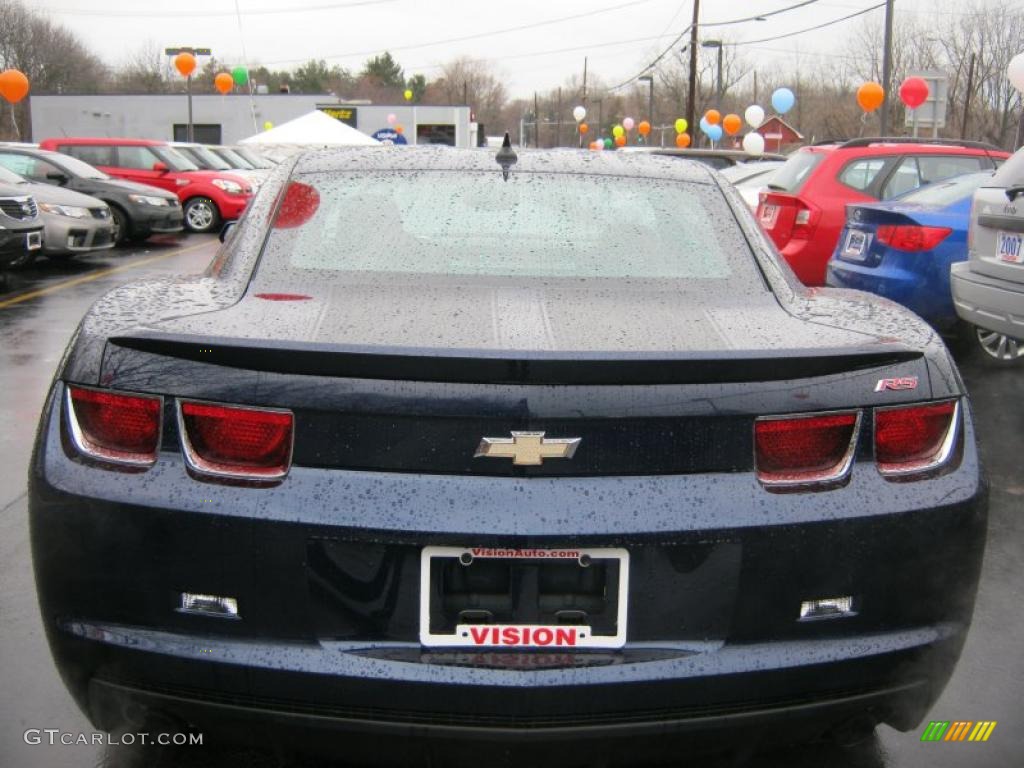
<point>235,159</point>
<point>918,170</point>
<point>534,226</point>
<point>10,177</point>
<point>795,171</point>
<point>93,154</point>
<point>23,165</point>
<point>906,178</point>
<point>175,160</point>
<point>860,174</point>
<point>76,167</point>
<point>1011,173</point>
<point>139,158</point>
<point>947,192</point>
<point>204,158</point>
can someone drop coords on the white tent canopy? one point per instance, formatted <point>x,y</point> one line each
<point>314,129</point>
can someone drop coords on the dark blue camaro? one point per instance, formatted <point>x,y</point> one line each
<point>549,462</point>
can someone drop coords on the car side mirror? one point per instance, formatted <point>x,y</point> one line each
<point>160,167</point>
<point>58,177</point>
<point>225,231</point>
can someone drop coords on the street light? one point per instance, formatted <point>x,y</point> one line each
<point>716,44</point>
<point>649,79</point>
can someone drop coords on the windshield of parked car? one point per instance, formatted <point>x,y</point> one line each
<point>9,177</point>
<point>535,225</point>
<point>254,159</point>
<point>208,159</point>
<point>795,171</point>
<point>76,167</point>
<point>234,159</point>
<point>174,159</point>
<point>945,193</point>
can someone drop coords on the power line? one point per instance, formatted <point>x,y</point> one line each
<point>179,13</point>
<point>808,29</point>
<point>675,41</point>
<point>478,35</point>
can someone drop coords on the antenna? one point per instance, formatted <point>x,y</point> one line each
<point>506,156</point>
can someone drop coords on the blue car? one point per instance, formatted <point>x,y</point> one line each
<point>902,249</point>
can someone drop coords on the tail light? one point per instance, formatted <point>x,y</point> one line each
<point>911,237</point>
<point>805,221</point>
<point>115,427</point>
<point>915,439</point>
<point>811,449</point>
<point>236,442</point>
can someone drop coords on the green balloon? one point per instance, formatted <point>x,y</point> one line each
<point>240,75</point>
<point>607,143</point>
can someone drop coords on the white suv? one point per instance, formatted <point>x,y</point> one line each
<point>988,288</point>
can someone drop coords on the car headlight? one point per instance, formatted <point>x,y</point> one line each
<point>65,210</point>
<point>231,187</point>
<point>148,200</point>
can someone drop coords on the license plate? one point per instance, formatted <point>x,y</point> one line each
<point>856,245</point>
<point>34,241</point>
<point>1008,247</point>
<point>769,215</point>
<point>508,569</point>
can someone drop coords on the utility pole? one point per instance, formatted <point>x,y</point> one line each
<point>584,81</point>
<point>886,68</point>
<point>691,104</point>
<point>558,120</point>
<point>967,98</point>
<point>536,122</point>
<point>188,83</point>
<point>755,86</point>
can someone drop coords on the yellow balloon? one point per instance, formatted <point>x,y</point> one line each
<point>408,94</point>
<point>618,130</point>
<point>681,125</point>
<point>267,125</point>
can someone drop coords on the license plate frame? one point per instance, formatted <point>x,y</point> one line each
<point>856,245</point>
<point>1010,247</point>
<point>551,636</point>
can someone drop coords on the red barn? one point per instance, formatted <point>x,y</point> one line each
<point>778,134</point>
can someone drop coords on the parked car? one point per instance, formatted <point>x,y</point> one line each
<point>988,288</point>
<point>253,157</point>
<point>804,209</point>
<point>716,158</point>
<point>72,223</point>
<point>903,249</point>
<point>208,160</point>
<point>207,197</point>
<point>495,470</point>
<point>137,210</point>
<point>235,159</point>
<point>750,179</point>
<point>21,229</point>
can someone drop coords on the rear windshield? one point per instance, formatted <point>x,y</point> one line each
<point>1010,173</point>
<point>944,193</point>
<point>535,225</point>
<point>790,177</point>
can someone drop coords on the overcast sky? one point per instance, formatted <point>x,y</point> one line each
<point>618,36</point>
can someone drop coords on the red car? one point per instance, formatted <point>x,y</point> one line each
<point>804,209</point>
<point>207,197</point>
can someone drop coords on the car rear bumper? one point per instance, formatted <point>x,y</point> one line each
<point>989,303</point>
<point>807,259</point>
<point>910,289</point>
<point>325,571</point>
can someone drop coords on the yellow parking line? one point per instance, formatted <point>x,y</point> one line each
<point>95,276</point>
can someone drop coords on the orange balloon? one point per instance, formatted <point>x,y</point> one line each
<point>224,82</point>
<point>713,117</point>
<point>185,63</point>
<point>399,128</point>
<point>620,141</point>
<point>732,124</point>
<point>584,127</point>
<point>13,85</point>
<point>644,128</point>
<point>870,96</point>
<point>682,140</point>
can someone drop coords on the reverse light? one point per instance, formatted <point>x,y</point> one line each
<point>805,450</point>
<point>911,237</point>
<point>915,439</point>
<point>827,608</point>
<point>236,442</point>
<point>115,427</point>
<point>209,605</point>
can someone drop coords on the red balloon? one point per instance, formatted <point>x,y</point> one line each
<point>223,82</point>
<point>914,92</point>
<point>13,85</point>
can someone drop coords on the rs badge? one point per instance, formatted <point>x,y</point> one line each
<point>896,385</point>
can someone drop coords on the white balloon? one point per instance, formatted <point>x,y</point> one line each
<point>754,116</point>
<point>579,113</point>
<point>753,143</point>
<point>1016,72</point>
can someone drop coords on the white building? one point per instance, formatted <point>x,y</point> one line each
<point>227,119</point>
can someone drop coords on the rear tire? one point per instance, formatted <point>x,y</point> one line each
<point>201,215</point>
<point>996,349</point>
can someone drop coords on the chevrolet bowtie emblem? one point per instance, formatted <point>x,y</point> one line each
<point>527,448</point>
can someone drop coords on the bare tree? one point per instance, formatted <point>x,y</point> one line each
<point>145,70</point>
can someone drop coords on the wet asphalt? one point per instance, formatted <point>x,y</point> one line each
<point>39,310</point>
